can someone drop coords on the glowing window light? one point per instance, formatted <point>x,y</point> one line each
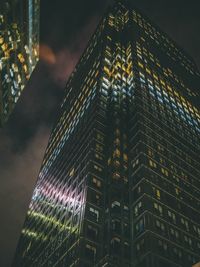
<point>70,127</point>
<point>49,220</point>
<point>175,107</point>
<point>21,58</point>
<point>30,233</point>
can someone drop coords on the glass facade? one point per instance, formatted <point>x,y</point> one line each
<point>19,47</point>
<point>119,183</point>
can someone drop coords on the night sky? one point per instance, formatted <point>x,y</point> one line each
<point>65,29</point>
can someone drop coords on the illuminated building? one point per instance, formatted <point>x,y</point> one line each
<point>19,40</point>
<point>119,184</point>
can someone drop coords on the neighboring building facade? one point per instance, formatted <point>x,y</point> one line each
<point>120,180</point>
<point>19,47</point>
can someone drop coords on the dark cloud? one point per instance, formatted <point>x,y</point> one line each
<point>65,30</point>
<point>18,176</point>
<point>46,54</point>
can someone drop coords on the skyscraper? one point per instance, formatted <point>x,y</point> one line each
<point>19,42</point>
<point>119,183</point>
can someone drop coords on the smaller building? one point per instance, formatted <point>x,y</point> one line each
<point>19,40</point>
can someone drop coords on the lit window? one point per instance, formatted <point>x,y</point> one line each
<point>94,213</point>
<point>158,193</point>
<point>152,164</point>
<point>140,65</point>
<point>96,182</point>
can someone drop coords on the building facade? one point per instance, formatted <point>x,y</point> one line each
<point>19,47</point>
<point>120,180</point>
